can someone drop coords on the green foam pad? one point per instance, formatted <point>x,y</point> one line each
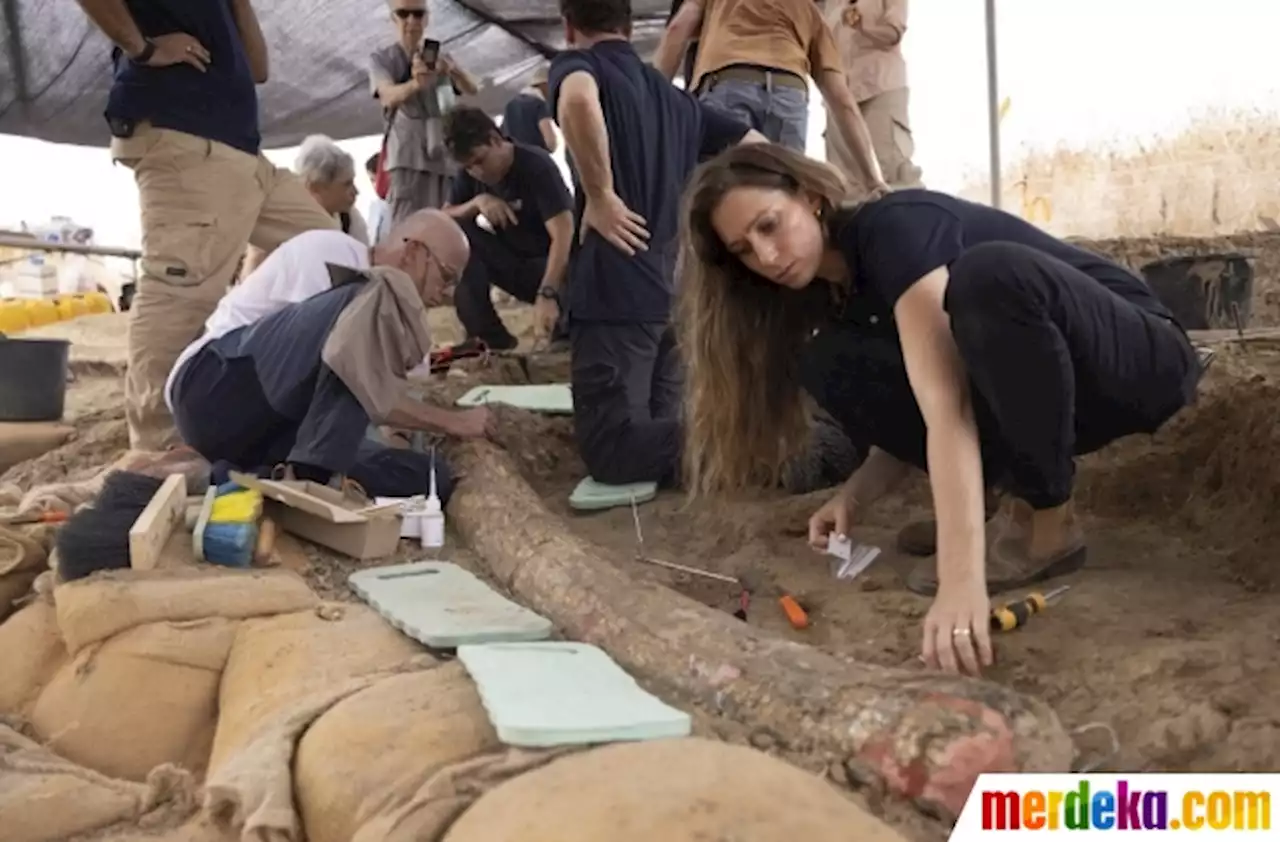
<point>444,606</point>
<point>591,495</point>
<point>551,398</point>
<point>554,694</point>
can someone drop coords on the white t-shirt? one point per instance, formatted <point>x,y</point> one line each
<point>293,272</point>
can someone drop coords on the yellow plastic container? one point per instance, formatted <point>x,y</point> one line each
<point>13,316</point>
<point>98,302</point>
<point>41,311</point>
<point>71,306</point>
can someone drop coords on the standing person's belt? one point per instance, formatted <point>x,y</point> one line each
<point>769,77</point>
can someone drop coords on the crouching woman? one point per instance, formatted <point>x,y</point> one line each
<point>941,334</point>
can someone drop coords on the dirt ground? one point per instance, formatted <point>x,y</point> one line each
<point>1168,636</point>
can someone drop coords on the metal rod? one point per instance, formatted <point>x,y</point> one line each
<point>34,244</point>
<point>693,571</point>
<point>993,104</point>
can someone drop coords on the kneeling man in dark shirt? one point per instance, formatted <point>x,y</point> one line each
<point>522,246</point>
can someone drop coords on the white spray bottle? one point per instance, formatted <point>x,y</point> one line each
<point>432,517</point>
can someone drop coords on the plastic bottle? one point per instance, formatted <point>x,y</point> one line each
<point>432,517</point>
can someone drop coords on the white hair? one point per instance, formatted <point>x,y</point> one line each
<point>321,161</point>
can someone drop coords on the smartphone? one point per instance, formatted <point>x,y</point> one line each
<point>430,51</point>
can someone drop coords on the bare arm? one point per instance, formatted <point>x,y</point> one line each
<point>392,95</point>
<point>255,46</point>
<point>681,29</point>
<point>940,384</point>
<point>413,414</point>
<point>560,227</point>
<point>462,80</point>
<point>113,18</point>
<point>585,134</point>
<point>547,127</point>
<point>852,128</point>
<point>878,475</point>
<point>466,210</point>
<point>884,22</point>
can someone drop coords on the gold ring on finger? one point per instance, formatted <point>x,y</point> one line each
<point>961,632</point>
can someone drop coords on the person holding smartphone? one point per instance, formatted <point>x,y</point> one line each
<point>416,83</point>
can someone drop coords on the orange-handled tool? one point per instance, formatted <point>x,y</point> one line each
<point>796,615</point>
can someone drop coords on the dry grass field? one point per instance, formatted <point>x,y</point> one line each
<point>1219,176</point>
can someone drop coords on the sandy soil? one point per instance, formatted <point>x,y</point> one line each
<point>1168,635</point>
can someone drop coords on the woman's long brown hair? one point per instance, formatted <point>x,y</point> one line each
<point>742,336</point>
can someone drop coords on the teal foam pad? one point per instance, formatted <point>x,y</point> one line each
<point>444,606</point>
<point>550,398</point>
<point>591,495</point>
<point>553,694</point>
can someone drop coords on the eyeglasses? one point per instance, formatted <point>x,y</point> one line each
<point>405,14</point>
<point>447,273</point>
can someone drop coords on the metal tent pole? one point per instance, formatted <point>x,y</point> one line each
<point>993,104</point>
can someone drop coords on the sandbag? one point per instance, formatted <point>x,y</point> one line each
<point>22,441</point>
<point>686,790</point>
<point>146,697</point>
<point>283,673</point>
<point>31,652</point>
<point>276,661</point>
<point>22,558</point>
<point>113,601</point>
<point>45,798</point>
<point>371,754</point>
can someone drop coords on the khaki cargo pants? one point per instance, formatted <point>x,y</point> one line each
<point>887,120</point>
<point>202,201</point>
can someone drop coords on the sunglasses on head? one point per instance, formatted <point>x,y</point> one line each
<point>405,14</point>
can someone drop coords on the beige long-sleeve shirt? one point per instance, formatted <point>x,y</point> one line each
<point>871,50</point>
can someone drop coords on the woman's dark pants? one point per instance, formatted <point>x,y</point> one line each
<point>1058,366</point>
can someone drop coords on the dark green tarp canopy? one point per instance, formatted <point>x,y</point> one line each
<point>55,67</point>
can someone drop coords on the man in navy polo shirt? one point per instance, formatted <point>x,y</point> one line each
<point>183,112</point>
<point>523,244</point>
<point>635,139</point>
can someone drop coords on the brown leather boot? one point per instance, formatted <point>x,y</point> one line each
<point>1024,546</point>
<point>921,537</point>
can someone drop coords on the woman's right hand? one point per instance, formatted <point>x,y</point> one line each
<point>834,518</point>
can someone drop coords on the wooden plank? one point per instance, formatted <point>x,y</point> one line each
<point>150,532</point>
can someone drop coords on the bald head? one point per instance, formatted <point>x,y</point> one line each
<point>431,248</point>
<point>436,230</point>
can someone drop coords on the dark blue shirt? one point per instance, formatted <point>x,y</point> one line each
<point>891,243</point>
<point>522,118</point>
<point>535,190</point>
<point>220,104</point>
<point>656,135</point>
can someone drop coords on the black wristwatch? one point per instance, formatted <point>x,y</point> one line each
<point>147,52</point>
<point>548,292</point>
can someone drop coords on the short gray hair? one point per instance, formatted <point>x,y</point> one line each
<point>321,161</point>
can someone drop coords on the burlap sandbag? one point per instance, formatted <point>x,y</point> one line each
<point>372,753</point>
<point>687,790</point>
<point>278,661</point>
<point>46,798</point>
<point>283,673</point>
<point>22,559</point>
<point>146,697</point>
<point>31,652</point>
<point>113,601</point>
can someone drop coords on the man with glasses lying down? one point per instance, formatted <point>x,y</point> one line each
<point>299,383</point>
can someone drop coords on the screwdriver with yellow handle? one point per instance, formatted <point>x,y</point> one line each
<point>1016,614</point>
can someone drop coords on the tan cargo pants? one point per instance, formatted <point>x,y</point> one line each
<point>202,201</point>
<point>890,127</point>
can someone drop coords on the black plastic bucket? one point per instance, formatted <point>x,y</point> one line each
<point>1205,291</point>
<point>33,379</point>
